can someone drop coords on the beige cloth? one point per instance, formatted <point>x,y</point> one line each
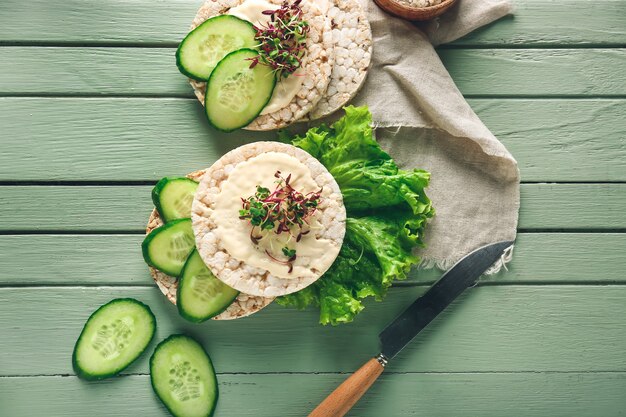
<point>424,121</point>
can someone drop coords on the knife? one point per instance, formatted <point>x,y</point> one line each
<point>407,325</point>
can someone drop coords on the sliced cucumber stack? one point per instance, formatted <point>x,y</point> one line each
<point>167,247</point>
<point>114,336</point>
<point>206,45</point>
<point>183,377</point>
<point>200,294</point>
<point>173,196</point>
<point>236,93</point>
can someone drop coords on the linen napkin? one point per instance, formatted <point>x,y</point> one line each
<point>423,121</point>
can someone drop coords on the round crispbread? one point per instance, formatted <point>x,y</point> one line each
<point>352,37</point>
<point>235,272</point>
<point>244,305</point>
<point>317,63</point>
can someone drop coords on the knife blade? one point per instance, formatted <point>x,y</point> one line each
<point>403,329</point>
<point>454,282</point>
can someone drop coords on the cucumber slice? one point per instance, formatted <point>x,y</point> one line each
<point>235,93</point>
<point>200,295</point>
<point>114,336</point>
<point>173,196</point>
<point>167,247</point>
<point>206,45</point>
<point>183,377</point>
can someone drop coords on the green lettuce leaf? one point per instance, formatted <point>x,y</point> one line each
<point>387,212</point>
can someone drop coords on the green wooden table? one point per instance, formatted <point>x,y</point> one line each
<point>93,112</point>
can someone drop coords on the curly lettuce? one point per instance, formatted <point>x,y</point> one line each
<point>387,212</point>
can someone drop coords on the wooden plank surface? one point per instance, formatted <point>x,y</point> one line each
<point>538,72</point>
<point>126,208</point>
<point>152,72</point>
<point>545,338</point>
<point>572,206</point>
<point>116,260</point>
<point>138,139</point>
<point>109,139</point>
<point>534,22</point>
<point>553,23</point>
<point>394,395</point>
<point>511,328</point>
<point>560,140</point>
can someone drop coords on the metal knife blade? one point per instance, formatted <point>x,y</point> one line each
<point>418,315</point>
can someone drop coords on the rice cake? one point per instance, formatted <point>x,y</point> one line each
<point>243,306</point>
<point>317,63</point>
<point>252,275</point>
<point>352,37</point>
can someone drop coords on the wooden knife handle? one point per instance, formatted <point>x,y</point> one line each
<point>341,400</point>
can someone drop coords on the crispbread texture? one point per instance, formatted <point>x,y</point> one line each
<point>317,63</point>
<point>236,273</point>
<point>244,305</point>
<point>352,37</point>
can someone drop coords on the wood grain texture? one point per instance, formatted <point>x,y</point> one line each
<point>538,72</point>
<point>560,140</point>
<point>125,208</point>
<point>128,139</point>
<point>545,338</point>
<point>395,395</point>
<point>116,260</point>
<point>109,139</point>
<point>137,21</point>
<point>555,328</point>
<point>553,23</point>
<point>534,22</point>
<point>572,206</point>
<point>152,71</point>
<point>91,71</point>
<point>98,208</point>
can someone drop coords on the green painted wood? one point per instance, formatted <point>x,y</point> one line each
<point>91,71</point>
<point>109,139</point>
<point>126,139</point>
<point>572,206</point>
<point>78,259</point>
<point>111,208</point>
<point>550,23</point>
<point>97,21</point>
<point>116,260</point>
<point>543,72</point>
<point>394,395</point>
<point>566,257</point>
<point>554,328</point>
<point>522,350</point>
<point>560,140</point>
<point>126,208</point>
<point>152,71</point>
<point>534,22</point>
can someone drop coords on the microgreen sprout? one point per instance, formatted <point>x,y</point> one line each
<point>282,39</point>
<point>284,210</point>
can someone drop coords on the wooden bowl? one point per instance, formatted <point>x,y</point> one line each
<point>403,10</point>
